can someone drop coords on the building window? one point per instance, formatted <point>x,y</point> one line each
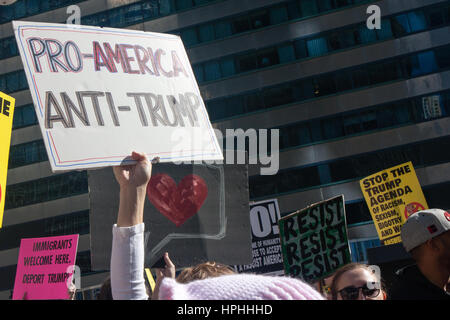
<point>308,7</point>
<point>317,47</point>
<point>417,21</point>
<point>324,85</point>
<point>246,63</point>
<point>189,37</point>
<point>383,72</point>
<point>27,153</point>
<point>352,125</point>
<point>154,8</point>
<point>268,58</point>
<point>277,96</point>
<point>46,189</point>
<point>423,63</point>
<point>65,224</point>
<point>336,82</point>
<point>134,14</point>
<point>234,105</point>
<point>357,212</point>
<point>72,223</point>
<point>332,128</point>
<point>223,29</point>
<point>227,66</point>
<point>212,71</point>
<point>359,249</point>
<point>301,50</point>
<point>198,71</point>
<point>436,17</point>
<point>8,48</point>
<point>325,5</point>
<point>344,81</point>
<point>286,53</point>
<point>13,81</point>
<point>334,42</point>
<point>241,25</point>
<point>369,121</point>
<point>260,19</point>
<point>329,41</point>
<point>365,35</point>
<point>400,25</point>
<point>253,102</point>
<point>206,33</point>
<point>83,260</point>
<point>24,116</point>
<point>278,15</point>
<point>350,168</point>
<point>217,110</point>
<point>25,8</point>
<point>347,38</point>
<point>183,4</point>
<point>442,57</point>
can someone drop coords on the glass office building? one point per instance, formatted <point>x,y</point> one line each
<point>348,102</point>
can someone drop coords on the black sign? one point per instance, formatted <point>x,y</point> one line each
<point>266,248</point>
<point>195,212</point>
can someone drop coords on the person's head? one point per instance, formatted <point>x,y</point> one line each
<point>426,236</point>
<point>356,281</point>
<point>202,271</point>
<point>238,287</point>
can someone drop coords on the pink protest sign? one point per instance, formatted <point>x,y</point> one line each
<point>45,267</point>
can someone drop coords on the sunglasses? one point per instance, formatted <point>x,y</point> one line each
<point>352,293</point>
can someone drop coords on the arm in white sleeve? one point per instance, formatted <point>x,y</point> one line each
<point>127,263</point>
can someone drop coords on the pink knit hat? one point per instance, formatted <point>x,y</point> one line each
<point>239,287</point>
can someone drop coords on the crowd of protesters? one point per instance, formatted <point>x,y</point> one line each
<point>425,236</point>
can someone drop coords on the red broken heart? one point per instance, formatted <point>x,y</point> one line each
<point>177,203</point>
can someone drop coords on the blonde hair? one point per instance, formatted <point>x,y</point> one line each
<point>348,267</point>
<point>204,270</point>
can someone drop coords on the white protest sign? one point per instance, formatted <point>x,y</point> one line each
<point>100,93</point>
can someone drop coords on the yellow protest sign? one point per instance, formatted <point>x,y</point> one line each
<point>392,195</point>
<point>6,120</point>
<point>150,279</point>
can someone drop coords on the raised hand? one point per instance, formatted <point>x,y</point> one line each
<point>135,175</point>
<point>133,181</point>
<point>168,272</point>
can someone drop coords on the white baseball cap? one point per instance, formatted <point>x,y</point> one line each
<point>424,225</point>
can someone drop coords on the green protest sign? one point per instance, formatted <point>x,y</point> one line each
<point>314,240</point>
